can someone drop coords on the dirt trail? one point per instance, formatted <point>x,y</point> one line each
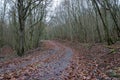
<point>57,60</point>
<point>38,66</point>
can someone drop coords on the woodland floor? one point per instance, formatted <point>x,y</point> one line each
<point>62,60</point>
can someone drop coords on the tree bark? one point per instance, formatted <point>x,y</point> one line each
<point>21,15</point>
<point>107,36</point>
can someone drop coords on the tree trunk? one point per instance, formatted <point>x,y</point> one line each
<point>113,14</point>
<point>1,35</point>
<point>107,36</point>
<point>21,37</point>
<point>21,15</point>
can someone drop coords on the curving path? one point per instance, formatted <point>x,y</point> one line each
<point>44,65</point>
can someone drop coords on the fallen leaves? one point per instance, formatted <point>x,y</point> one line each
<point>89,62</point>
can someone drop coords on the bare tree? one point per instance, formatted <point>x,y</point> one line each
<point>23,12</point>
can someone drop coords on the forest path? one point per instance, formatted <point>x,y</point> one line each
<point>40,65</point>
<point>64,60</point>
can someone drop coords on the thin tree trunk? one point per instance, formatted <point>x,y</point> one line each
<point>114,19</point>
<point>107,36</point>
<point>98,30</point>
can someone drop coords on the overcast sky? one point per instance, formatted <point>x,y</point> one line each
<point>52,9</point>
